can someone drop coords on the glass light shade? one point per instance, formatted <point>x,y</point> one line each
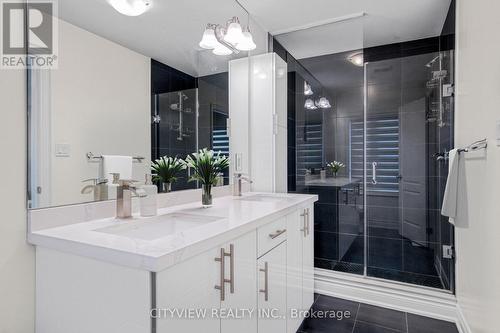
<point>323,103</point>
<point>246,43</point>
<point>356,59</point>
<point>209,41</point>
<point>307,89</point>
<point>309,104</point>
<point>221,50</point>
<point>234,33</point>
<point>130,7</point>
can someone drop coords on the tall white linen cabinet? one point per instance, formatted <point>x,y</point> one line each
<point>258,120</point>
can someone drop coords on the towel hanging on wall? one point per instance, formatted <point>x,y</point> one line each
<point>449,207</point>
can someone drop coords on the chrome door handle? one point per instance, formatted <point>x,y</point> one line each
<point>374,173</point>
<point>231,268</point>
<point>308,221</point>
<point>265,270</point>
<point>223,280</point>
<point>304,228</point>
<point>277,233</point>
<point>220,287</point>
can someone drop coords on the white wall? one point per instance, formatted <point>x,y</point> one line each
<point>478,109</point>
<point>101,100</point>
<point>17,264</point>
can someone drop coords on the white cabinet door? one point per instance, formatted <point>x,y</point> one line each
<point>294,224</point>
<point>244,292</point>
<point>308,258</point>
<point>272,291</point>
<point>185,286</point>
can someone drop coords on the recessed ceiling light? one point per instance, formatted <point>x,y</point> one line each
<point>130,7</point>
<point>356,59</point>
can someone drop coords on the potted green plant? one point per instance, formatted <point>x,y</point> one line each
<point>206,165</point>
<point>165,170</point>
<point>335,166</point>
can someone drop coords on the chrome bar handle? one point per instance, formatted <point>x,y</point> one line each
<point>277,233</point>
<point>374,173</point>
<point>304,230</point>
<point>222,279</point>
<point>265,270</point>
<point>231,268</point>
<point>307,221</point>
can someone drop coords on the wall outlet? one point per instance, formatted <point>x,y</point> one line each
<point>63,150</point>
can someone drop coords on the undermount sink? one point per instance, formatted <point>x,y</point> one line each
<point>263,198</point>
<point>159,226</point>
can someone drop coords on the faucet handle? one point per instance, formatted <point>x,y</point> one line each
<point>96,181</point>
<point>127,182</point>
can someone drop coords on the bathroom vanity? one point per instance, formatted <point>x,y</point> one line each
<point>243,265</point>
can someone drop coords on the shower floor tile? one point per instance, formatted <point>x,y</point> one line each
<point>432,281</point>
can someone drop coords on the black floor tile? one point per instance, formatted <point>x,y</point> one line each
<point>343,322</point>
<point>362,327</point>
<point>369,319</point>
<point>392,319</point>
<point>418,258</point>
<point>419,324</point>
<point>336,304</point>
<point>385,253</point>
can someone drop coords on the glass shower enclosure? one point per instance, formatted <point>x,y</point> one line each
<point>391,125</point>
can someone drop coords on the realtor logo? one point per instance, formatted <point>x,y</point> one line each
<point>28,34</point>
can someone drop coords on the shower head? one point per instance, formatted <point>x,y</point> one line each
<point>430,63</point>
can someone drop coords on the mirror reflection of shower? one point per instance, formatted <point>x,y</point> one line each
<point>439,89</point>
<point>183,131</point>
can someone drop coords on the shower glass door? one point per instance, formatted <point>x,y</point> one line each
<point>175,129</point>
<point>406,128</point>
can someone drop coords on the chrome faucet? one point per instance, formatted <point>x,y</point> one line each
<point>237,180</point>
<point>124,193</point>
<point>98,187</point>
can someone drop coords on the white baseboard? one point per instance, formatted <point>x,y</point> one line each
<point>463,326</point>
<point>397,296</point>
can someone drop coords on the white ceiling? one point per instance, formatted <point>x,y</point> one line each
<point>168,32</point>
<point>386,21</point>
<point>171,29</point>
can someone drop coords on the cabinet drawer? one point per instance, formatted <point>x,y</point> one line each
<point>270,235</point>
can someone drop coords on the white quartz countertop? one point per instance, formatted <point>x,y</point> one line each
<point>228,218</point>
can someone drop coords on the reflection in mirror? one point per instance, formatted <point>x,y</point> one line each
<point>129,90</point>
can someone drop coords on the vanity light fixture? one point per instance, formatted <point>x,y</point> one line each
<point>130,7</point>
<point>356,59</point>
<point>307,89</point>
<point>323,103</point>
<point>225,40</point>
<point>310,105</point>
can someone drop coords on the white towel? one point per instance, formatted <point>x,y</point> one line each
<point>116,164</point>
<point>451,192</point>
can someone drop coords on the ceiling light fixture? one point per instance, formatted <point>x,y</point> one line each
<point>307,89</point>
<point>356,59</point>
<point>130,7</point>
<point>225,40</point>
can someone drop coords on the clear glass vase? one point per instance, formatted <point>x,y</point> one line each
<point>206,196</point>
<point>167,187</point>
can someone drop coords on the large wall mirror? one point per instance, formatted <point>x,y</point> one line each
<point>138,87</point>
